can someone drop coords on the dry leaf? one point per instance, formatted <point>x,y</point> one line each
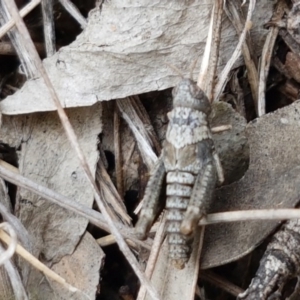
<point>272,181</point>
<point>48,158</point>
<point>81,269</point>
<point>124,50</point>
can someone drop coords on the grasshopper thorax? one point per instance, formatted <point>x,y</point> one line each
<point>188,94</point>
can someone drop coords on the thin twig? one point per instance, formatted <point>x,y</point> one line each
<point>73,140</point>
<point>36,263</point>
<point>205,59</point>
<point>214,51</point>
<point>74,12</point>
<point>48,25</point>
<point>118,155</point>
<point>23,12</point>
<point>251,215</point>
<point>6,255</point>
<point>8,49</point>
<point>9,173</point>
<point>266,57</point>
<point>235,16</point>
<point>158,240</point>
<point>224,75</point>
<point>144,142</point>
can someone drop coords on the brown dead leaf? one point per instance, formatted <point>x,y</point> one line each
<point>272,181</point>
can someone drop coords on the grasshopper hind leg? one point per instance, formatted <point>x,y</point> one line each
<point>200,198</point>
<point>152,205</point>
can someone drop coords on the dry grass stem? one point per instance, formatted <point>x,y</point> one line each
<point>222,283</point>
<point>48,26</point>
<point>213,58</point>
<point>221,128</point>
<point>266,57</point>
<point>158,240</point>
<point>12,244</point>
<point>8,49</point>
<point>291,43</point>
<point>23,12</point>
<point>251,215</point>
<point>36,263</point>
<point>110,195</point>
<point>110,240</point>
<point>11,285</point>
<point>225,73</point>
<point>74,12</point>
<point>235,16</point>
<point>132,118</point>
<point>205,59</point>
<point>96,218</point>
<point>118,154</point>
<point>73,139</point>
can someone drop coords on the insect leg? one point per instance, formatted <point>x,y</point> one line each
<point>203,189</point>
<point>151,203</point>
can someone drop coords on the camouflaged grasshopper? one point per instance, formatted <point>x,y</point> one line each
<point>191,164</point>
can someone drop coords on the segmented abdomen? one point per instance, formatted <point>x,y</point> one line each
<point>179,190</point>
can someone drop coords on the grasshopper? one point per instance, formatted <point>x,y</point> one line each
<point>191,167</point>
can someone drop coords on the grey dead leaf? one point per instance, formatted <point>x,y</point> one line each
<point>272,181</point>
<point>138,39</point>
<point>48,158</point>
<point>81,269</point>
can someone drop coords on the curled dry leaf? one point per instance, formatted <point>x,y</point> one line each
<point>124,49</point>
<point>272,181</point>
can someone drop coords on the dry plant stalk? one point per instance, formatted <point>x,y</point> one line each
<point>234,14</point>
<point>36,263</point>
<point>266,58</point>
<point>222,80</point>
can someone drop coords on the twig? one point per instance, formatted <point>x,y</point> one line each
<point>158,240</point>
<point>36,263</point>
<point>73,139</point>
<point>114,204</point>
<point>130,115</point>
<point>12,244</point>
<point>23,12</point>
<point>238,21</point>
<point>221,128</point>
<point>214,51</point>
<point>205,59</point>
<point>8,49</point>
<point>266,57</point>
<point>118,155</point>
<point>8,172</point>
<point>11,285</point>
<point>48,25</point>
<point>74,12</point>
<point>224,75</point>
<point>251,215</point>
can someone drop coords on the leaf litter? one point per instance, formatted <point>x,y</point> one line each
<point>268,183</point>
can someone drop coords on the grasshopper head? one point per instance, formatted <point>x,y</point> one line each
<point>188,94</point>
